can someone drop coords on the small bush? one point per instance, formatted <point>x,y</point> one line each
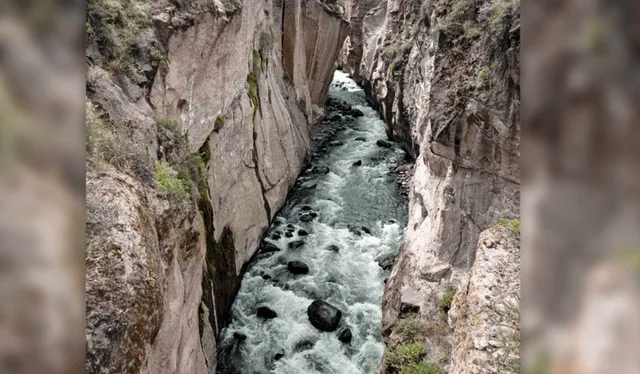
<point>410,327</point>
<point>403,355</point>
<point>512,224</point>
<point>169,184</point>
<point>106,144</point>
<point>447,298</point>
<point>471,29</point>
<point>168,123</point>
<point>423,368</point>
<point>115,25</point>
<point>218,124</point>
<point>484,78</point>
<point>252,81</point>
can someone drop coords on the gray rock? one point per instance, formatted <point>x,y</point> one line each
<point>345,335</point>
<point>324,316</point>
<point>297,267</point>
<point>266,312</point>
<point>386,261</point>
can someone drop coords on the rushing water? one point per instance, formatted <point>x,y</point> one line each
<point>345,198</point>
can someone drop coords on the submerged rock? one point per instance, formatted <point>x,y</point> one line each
<point>320,170</point>
<point>297,267</point>
<point>240,337</point>
<point>324,316</point>
<point>361,139</point>
<point>304,345</point>
<point>356,112</point>
<point>308,217</point>
<point>266,312</point>
<point>384,143</point>
<point>270,248</point>
<point>357,163</point>
<point>306,208</point>
<point>333,248</point>
<point>302,232</point>
<point>385,261</point>
<point>296,244</point>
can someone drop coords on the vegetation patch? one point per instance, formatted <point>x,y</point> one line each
<point>218,124</point>
<point>410,327</point>
<point>410,359</point>
<point>108,144</point>
<point>252,81</point>
<point>512,224</point>
<point>168,183</point>
<point>115,26</point>
<point>447,298</point>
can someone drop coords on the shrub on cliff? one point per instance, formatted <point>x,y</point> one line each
<point>447,298</point>
<point>107,144</point>
<point>115,26</point>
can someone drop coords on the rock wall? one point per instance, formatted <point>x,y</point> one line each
<point>171,223</point>
<point>445,76</point>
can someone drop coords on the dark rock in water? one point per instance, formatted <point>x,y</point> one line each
<point>392,221</point>
<point>320,170</point>
<point>297,267</point>
<point>356,112</point>
<point>240,337</point>
<point>366,230</point>
<point>291,226</point>
<point>333,248</point>
<point>308,217</point>
<point>361,139</point>
<point>302,232</point>
<point>275,236</point>
<point>266,313</point>
<point>269,248</point>
<point>296,244</point>
<point>357,163</point>
<point>355,230</point>
<point>288,234</point>
<point>278,356</point>
<point>336,143</point>
<point>323,316</point>
<point>306,208</point>
<point>304,345</point>
<point>266,277</point>
<point>345,335</point>
<point>335,117</point>
<point>384,143</point>
<point>385,261</point>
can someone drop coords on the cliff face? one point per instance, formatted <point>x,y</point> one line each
<point>198,118</point>
<point>445,76</point>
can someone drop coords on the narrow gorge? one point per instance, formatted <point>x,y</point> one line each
<point>302,186</point>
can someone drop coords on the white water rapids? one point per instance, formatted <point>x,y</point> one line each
<point>345,199</point>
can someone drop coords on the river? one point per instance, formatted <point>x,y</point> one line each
<point>345,213</point>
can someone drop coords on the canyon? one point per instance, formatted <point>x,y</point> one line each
<point>201,120</point>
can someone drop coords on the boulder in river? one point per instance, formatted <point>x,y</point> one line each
<point>361,139</point>
<point>356,112</point>
<point>366,230</point>
<point>320,170</point>
<point>302,232</point>
<point>296,244</point>
<point>275,236</point>
<point>297,267</point>
<point>240,337</point>
<point>266,312</point>
<point>288,234</point>
<point>270,248</point>
<point>308,217</point>
<point>386,261</point>
<point>306,208</point>
<point>324,316</point>
<point>345,335</point>
<point>384,143</point>
<point>278,356</point>
<point>357,163</point>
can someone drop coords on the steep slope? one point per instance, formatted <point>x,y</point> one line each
<point>445,75</point>
<point>198,118</point>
